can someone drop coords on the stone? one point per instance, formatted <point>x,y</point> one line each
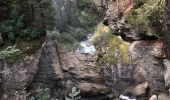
<point>17,76</point>
<point>167,73</point>
<point>163,96</point>
<point>137,90</point>
<point>153,97</point>
<point>150,67</point>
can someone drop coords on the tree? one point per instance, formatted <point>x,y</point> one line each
<point>29,18</point>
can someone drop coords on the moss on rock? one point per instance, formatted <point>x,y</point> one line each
<point>107,45</point>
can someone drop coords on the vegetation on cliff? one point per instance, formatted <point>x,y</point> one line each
<point>24,22</point>
<point>108,46</point>
<point>147,17</point>
<point>25,19</point>
<point>82,22</point>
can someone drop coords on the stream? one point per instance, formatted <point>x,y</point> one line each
<point>86,46</point>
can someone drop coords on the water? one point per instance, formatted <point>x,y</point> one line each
<point>86,46</point>
<point>126,97</point>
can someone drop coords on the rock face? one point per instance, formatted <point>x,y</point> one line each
<point>145,53</point>
<point>16,77</point>
<point>148,65</point>
<point>115,19</point>
<point>60,71</point>
<point>145,71</point>
<point>57,70</point>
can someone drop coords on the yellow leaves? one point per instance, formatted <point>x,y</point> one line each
<point>105,29</point>
<point>105,41</point>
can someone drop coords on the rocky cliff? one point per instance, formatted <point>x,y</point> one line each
<point>145,76</point>
<point>53,68</point>
<point>145,55</point>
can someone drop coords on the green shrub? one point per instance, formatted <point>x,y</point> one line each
<point>29,34</point>
<point>11,54</point>
<point>87,19</point>
<point>67,40</point>
<point>41,94</point>
<point>10,51</point>
<point>78,34</point>
<point>14,28</point>
<point>148,19</point>
<point>74,94</point>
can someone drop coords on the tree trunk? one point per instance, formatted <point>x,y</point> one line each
<point>167,29</point>
<point>32,12</point>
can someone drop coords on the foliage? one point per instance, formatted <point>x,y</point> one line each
<point>25,19</point>
<point>148,19</point>
<point>9,52</point>
<point>68,41</point>
<point>25,22</point>
<point>78,34</point>
<point>74,94</point>
<point>23,47</point>
<point>107,44</point>
<point>14,28</point>
<point>41,94</point>
<point>87,18</point>
<point>83,22</point>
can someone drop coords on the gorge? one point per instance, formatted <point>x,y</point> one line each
<point>98,46</point>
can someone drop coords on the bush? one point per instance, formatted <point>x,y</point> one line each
<point>107,44</point>
<point>41,94</point>
<point>74,94</point>
<point>87,19</point>
<point>11,54</point>
<point>79,34</point>
<point>10,51</point>
<point>14,28</point>
<point>66,40</point>
<point>148,19</point>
